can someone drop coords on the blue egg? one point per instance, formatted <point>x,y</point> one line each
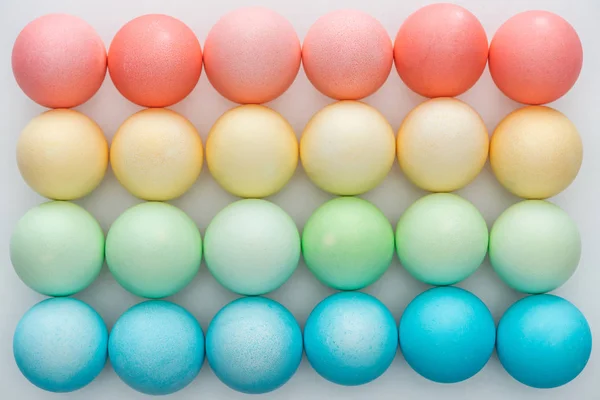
<point>156,347</point>
<point>254,345</point>
<point>544,341</point>
<point>350,338</point>
<point>60,344</point>
<point>447,334</point>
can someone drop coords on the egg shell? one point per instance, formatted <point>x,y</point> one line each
<point>155,60</point>
<point>59,61</point>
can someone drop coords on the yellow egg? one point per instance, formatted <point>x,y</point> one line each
<point>62,154</point>
<point>252,151</point>
<point>442,145</point>
<point>536,152</point>
<point>156,154</point>
<point>347,148</point>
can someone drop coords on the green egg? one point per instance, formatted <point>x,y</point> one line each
<point>441,239</point>
<point>348,243</point>
<point>57,248</point>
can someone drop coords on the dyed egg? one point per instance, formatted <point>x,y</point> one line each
<point>441,50</point>
<point>535,152</point>
<point>59,61</point>
<point>153,250</point>
<point>252,55</point>
<point>441,239</point>
<point>347,54</point>
<point>535,57</point>
<point>252,151</point>
<point>442,145</point>
<point>534,246</point>
<point>60,345</point>
<point>155,60</point>
<point>156,154</point>
<point>350,338</point>
<point>57,248</point>
<point>348,243</point>
<point>62,154</point>
<point>447,334</point>
<point>252,247</point>
<point>254,345</point>
<point>156,347</point>
<point>347,148</point>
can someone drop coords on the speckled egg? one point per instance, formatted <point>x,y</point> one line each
<point>347,54</point>
<point>544,341</point>
<point>536,152</point>
<point>447,334</point>
<point>347,148</point>
<point>254,345</point>
<point>350,338</point>
<point>252,247</point>
<point>155,60</point>
<point>441,239</point>
<point>252,151</point>
<point>535,57</point>
<point>62,154</point>
<point>442,145</point>
<point>441,50</point>
<point>60,345</point>
<point>153,250</point>
<point>534,246</point>
<point>156,347</point>
<point>348,243</point>
<point>57,248</point>
<point>156,154</point>
<point>252,55</point>
<point>59,61</point>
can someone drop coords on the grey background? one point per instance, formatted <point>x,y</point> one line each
<point>302,292</point>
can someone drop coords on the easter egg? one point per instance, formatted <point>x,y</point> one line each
<point>156,347</point>
<point>59,61</point>
<point>254,345</point>
<point>442,145</point>
<point>153,250</point>
<point>447,334</point>
<point>544,341</point>
<point>62,154</point>
<point>441,239</point>
<point>59,345</point>
<point>57,248</point>
<point>535,57</point>
<point>441,50</point>
<point>535,152</point>
<point>347,148</point>
<point>350,338</point>
<point>347,243</point>
<point>252,55</point>
<point>252,151</point>
<point>534,246</point>
<point>155,60</point>
<point>156,154</point>
<point>252,247</point>
<point>347,54</point>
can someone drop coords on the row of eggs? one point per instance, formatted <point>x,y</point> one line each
<point>255,345</point>
<point>347,148</point>
<point>252,55</point>
<point>252,246</point>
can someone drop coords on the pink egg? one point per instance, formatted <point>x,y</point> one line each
<point>252,55</point>
<point>535,57</point>
<point>59,61</point>
<point>347,55</point>
<point>155,60</point>
<point>441,50</point>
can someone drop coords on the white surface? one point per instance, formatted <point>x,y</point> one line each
<point>204,296</point>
